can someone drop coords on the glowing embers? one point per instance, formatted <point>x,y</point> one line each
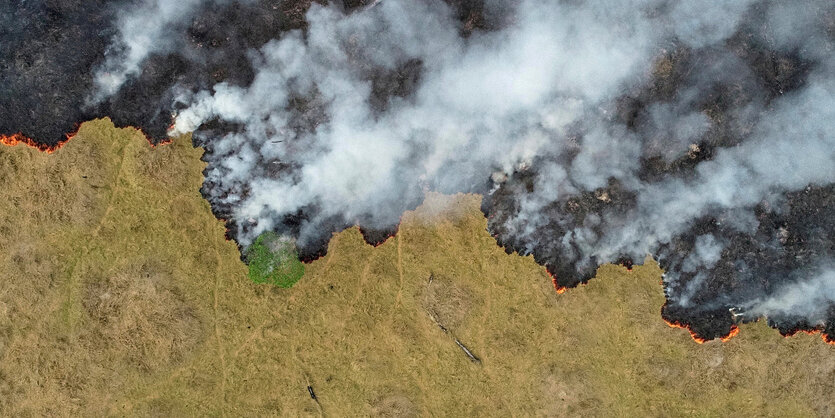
<point>733,333</point>
<point>560,289</point>
<point>824,336</point>
<point>626,263</point>
<point>696,338</point>
<point>18,138</point>
<point>15,139</point>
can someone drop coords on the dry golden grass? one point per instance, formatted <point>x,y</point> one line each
<point>120,296</point>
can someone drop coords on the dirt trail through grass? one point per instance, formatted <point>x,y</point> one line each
<point>167,323</point>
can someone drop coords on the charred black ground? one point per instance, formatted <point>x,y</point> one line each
<point>50,50</point>
<point>752,265</point>
<point>44,74</point>
<point>788,240</point>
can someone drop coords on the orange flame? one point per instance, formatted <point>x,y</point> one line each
<point>824,337</point>
<point>734,332</point>
<point>225,228</point>
<point>18,138</point>
<point>163,142</point>
<point>696,338</point>
<point>560,289</point>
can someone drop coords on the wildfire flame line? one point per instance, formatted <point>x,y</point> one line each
<point>826,338</point>
<point>18,138</point>
<point>733,333</point>
<point>693,335</point>
<point>560,289</point>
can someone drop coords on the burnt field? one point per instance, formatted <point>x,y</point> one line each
<point>700,133</point>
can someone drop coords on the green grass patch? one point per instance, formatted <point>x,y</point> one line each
<point>273,259</point>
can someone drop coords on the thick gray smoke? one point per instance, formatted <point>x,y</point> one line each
<point>808,299</point>
<point>562,106</point>
<point>490,102</point>
<point>790,147</point>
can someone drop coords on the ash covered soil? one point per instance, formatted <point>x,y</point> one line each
<point>700,133</point>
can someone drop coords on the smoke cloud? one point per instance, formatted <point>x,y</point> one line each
<point>490,102</point>
<point>143,29</point>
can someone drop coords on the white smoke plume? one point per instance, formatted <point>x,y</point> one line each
<point>807,298</point>
<point>539,96</point>
<point>793,146</point>
<point>493,101</point>
<point>143,29</point>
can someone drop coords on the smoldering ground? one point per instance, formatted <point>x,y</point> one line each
<point>699,132</point>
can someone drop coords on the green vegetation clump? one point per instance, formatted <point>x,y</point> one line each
<point>273,259</point>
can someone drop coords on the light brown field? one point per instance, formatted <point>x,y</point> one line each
<point>120,296</point>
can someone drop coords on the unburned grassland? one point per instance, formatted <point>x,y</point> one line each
<point>120,296</point>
